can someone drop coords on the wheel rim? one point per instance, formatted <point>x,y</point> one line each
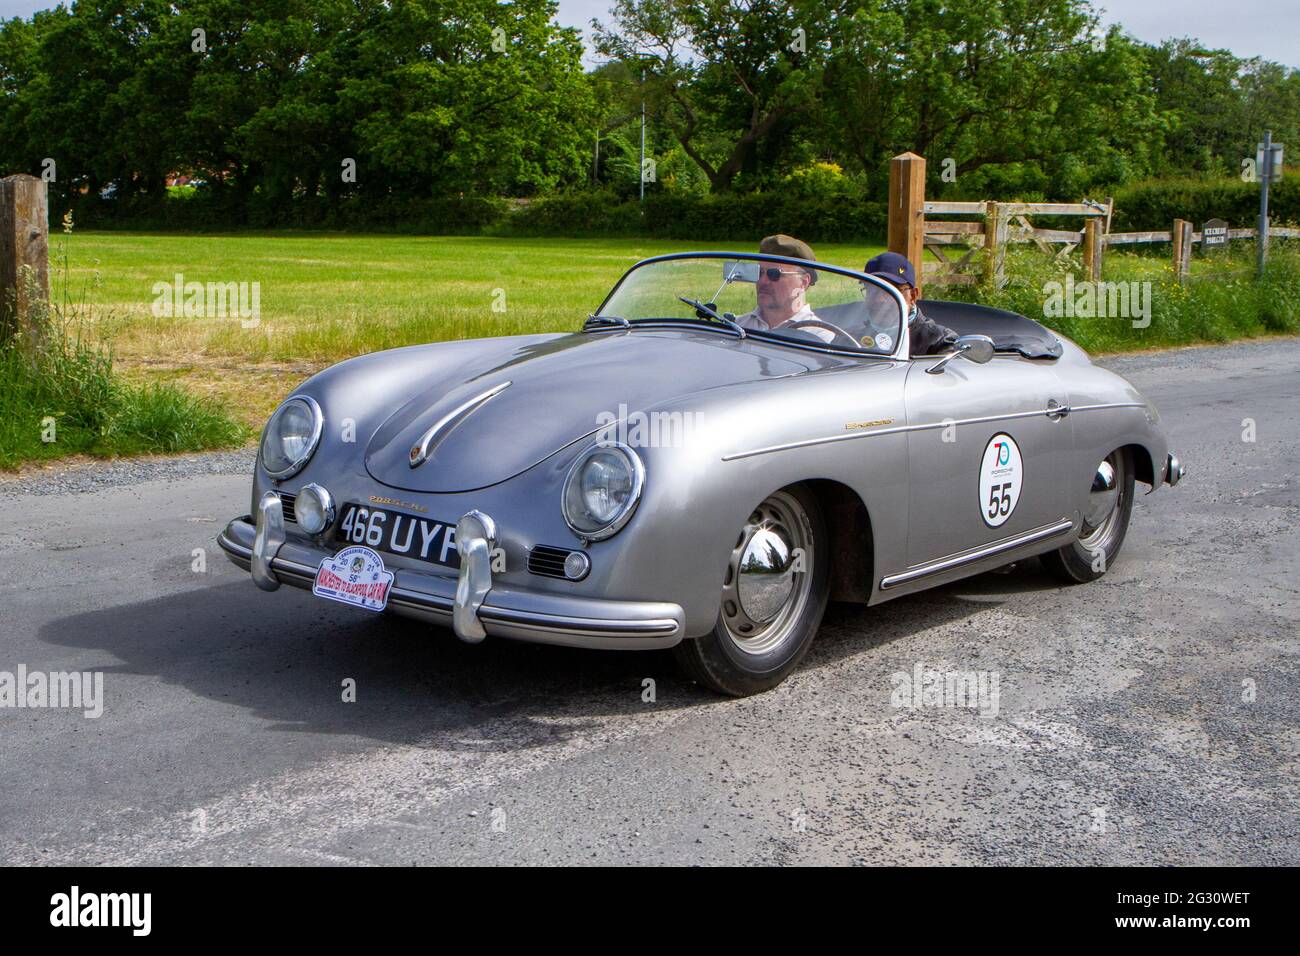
<point>1104,504</point>
<point>769,576</point>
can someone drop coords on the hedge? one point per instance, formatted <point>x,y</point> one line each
<point>1154,205</point>
<point>719,218</point>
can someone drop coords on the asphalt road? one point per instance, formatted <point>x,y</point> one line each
<point>1150,717</point>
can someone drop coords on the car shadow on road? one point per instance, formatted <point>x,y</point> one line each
<point>285,657</point>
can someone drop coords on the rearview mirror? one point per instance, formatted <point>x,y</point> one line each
<point>739,271</point>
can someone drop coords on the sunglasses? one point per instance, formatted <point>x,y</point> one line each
<point>774,275</point>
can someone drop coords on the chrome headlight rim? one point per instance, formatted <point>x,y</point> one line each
<point>318,426</point>
<point>615,525</point>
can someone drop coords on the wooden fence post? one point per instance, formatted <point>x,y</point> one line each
<point>1182,249</point>
<point>995,244</point>
<point>1092,249</point>
<point>907,208</point>
<point>24,251</point>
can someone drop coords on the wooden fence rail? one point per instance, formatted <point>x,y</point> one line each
<point>954,245</point>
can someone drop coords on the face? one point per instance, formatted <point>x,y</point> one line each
<point>782,297</point>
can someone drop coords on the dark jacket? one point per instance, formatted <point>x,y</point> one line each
<point>927,336</point>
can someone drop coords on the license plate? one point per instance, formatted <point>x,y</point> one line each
<point>354,576</point>
<point>395,533</point>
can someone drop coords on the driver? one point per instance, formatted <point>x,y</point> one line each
<point>782,289</point>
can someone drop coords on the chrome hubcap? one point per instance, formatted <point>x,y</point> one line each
<point>766,574</point>
<point>769,576</point>
<point>1103,511</point>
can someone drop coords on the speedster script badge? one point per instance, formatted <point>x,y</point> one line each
<point>354,576</point>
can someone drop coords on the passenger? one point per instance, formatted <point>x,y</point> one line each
<point>926,337</point>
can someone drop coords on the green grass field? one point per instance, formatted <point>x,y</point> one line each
<point>326,297</point>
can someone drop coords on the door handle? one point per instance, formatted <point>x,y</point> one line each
<point>1056,411</point>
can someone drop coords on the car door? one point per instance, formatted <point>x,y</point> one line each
<point>988,451</point>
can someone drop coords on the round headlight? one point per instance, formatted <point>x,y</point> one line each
<point>291,436</point>
<point>602,490</point>
<point>314,509</point>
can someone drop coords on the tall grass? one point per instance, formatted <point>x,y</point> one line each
<point>1221,300</point>
<point>60,396</point>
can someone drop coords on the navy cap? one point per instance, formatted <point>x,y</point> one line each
<point>892,266</point>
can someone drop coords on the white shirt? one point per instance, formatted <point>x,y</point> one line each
<point>752,320</point>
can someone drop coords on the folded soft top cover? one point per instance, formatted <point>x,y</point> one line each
<point>1010,332</point>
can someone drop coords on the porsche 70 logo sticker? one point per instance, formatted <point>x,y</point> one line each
<point>1001,478</point>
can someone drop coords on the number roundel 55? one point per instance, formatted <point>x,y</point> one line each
<point>1001,479</point>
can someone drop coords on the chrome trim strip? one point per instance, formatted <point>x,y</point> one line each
<point>1093,408</point>
<point>988,551</point>
<point>1059,410</point>
<point>551,622</point>
<point>420,452</point>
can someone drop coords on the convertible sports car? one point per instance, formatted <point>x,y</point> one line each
<point>669,476</point>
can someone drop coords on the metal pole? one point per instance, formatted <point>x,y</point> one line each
<point>1261,245</point>
<point>643,135</point>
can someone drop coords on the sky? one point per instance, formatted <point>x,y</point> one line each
<point>1267,28</point>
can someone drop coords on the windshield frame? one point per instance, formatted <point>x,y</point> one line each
<point>901,347</point>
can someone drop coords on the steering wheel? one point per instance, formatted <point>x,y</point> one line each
<point>820,324</point>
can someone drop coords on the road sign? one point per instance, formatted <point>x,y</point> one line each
<point>1269,168</point>
<point>1214,234</point>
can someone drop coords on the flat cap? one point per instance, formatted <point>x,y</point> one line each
<point>791,248</point>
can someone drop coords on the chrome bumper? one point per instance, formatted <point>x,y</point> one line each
<point>470,603</point>
<point>1174,470</point>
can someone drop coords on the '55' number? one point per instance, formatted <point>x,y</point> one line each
<point>1000,505</point>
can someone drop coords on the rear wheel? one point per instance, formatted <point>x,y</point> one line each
<point>772,602</point>
<point>1105,523</point>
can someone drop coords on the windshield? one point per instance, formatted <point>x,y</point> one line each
<point>769,298</point>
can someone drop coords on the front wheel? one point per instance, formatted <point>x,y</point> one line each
<point>772,602</point>
<point>1110,505</point>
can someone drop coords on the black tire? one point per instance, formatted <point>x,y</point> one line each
<point>1094,551</point>
<point>716,660</point>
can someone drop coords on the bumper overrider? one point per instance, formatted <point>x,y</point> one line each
<point>468,603</point>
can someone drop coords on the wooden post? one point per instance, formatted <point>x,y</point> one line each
<point>907,208</point>
<point>1182,249</point>
<point>1092,249</point>
<point>24,250</point>
<point>995,244</point>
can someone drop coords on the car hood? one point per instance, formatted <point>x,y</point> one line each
<point>556,391</point>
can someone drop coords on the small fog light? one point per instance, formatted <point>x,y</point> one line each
<point>314,509</point>
<point>576,566</point>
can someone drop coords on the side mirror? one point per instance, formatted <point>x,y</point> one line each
<point>974,348</point>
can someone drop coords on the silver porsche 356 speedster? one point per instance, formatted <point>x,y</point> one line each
<point>668,477</point>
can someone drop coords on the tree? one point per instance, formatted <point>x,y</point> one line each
<point>725,76</point>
